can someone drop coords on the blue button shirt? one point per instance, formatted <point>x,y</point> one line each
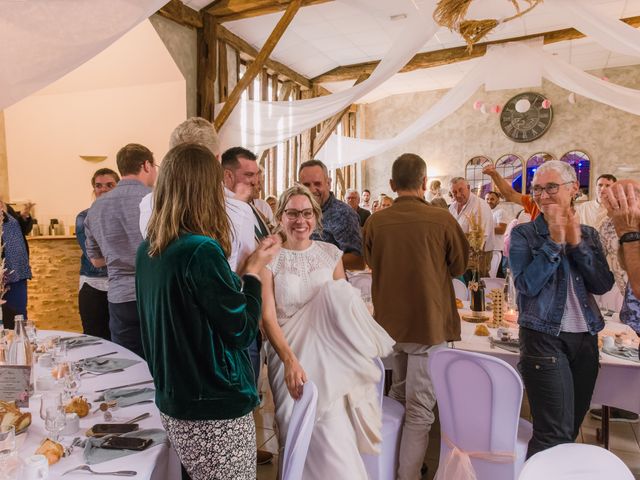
<point>340,226</point>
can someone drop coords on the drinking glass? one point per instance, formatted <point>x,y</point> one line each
<point>52,412</point>
<point>9,460</point>
<point>31,331</point>
<point>71,379</point>
<point>59,352</point>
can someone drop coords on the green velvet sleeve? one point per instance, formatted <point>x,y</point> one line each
<point>232,313</point>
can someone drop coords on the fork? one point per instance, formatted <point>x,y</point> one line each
<point>87,468</point>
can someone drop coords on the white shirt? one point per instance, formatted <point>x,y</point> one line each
<point>500,215</point>
<point>240,216</point>
<point>264,208</point>
<point>474,206</point>
<point>591,213</point>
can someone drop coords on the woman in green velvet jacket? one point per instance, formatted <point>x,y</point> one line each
<point>198,318</point>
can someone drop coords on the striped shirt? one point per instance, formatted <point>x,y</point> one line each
<point>573,320</point>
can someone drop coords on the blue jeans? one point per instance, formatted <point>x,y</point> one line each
<point>559,374</point>
<point>124,324</point>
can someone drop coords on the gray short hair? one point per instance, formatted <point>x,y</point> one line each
<point>351,190</point>
<point>455,180</point>
<point>566,171</point>
<point>314,163</point>
<point>196,130</point>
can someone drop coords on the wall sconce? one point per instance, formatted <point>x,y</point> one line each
<point>93,158</point>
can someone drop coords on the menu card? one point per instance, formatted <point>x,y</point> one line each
<point>14,384</point>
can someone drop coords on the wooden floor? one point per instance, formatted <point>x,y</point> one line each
<point>624,441</point>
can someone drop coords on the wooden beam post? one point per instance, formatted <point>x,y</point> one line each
<point>258,63</point>
<point>330,125</point>
<point>207,67</point>
<point>178,12</point>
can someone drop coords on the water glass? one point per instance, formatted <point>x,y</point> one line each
<point>9,461</point>
<point>60,352</point>
<point>31,331</point>
<point>48,401</point>
<point>71,379</point>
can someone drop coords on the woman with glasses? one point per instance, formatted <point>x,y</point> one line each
<point>92,296</point>
<point>558,265</point>
<point>319,329</point>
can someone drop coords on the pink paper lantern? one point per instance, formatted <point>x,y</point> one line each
<point>477,105</point>
<point>483,109</point>
<point>496,109</point>
<point>546,103</point>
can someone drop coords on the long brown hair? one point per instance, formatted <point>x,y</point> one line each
<point>188,198</point>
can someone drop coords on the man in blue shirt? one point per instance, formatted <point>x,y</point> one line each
<point>340,223</point>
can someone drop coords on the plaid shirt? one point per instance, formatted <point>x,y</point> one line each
<point>340,226</point>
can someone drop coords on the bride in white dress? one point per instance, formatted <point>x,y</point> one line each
<point>319,329</point>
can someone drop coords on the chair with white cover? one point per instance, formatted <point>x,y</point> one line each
<point>575,460</point>
<point>385,465</point>
<point>460,289</point>
<point>299,433</point>
<point>479,401</point>
<point>491,283</point>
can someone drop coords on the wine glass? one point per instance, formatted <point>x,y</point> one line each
<point>72,378</point>
<point>9,461</point>
<point>53,414</point>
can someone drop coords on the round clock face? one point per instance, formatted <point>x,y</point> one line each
<point>526,126</point>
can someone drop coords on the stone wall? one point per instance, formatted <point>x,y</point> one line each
<point>53,291</point>
<point>611,137</point>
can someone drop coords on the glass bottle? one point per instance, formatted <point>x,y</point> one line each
<point>20,349</point>
<point>477,294</point>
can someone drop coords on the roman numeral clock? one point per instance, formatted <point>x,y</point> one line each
<point>524,119</point>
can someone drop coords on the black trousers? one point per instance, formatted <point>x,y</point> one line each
<point>559,374</point>
<point>124,324</point>
<point>94,311</point>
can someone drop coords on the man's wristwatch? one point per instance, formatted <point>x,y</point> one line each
<point>629,237</point>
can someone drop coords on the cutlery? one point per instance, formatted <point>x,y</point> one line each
<point>102,373</point>
<point>104,406</point>
<point>76,442</point>
<point>95,356</point>
<point>139,417</point>
<point>71,347</point>
<point>124,386</point>
<point>87,468</point>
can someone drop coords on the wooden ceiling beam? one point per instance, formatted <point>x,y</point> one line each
<point>245,47</point>
<point>256,66</point>
<point>447,56</point>
<point>178,12</point>
<point>229,10</point>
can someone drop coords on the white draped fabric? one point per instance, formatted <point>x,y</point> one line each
<point>42,40</point>
<point>340,151</point>
<point>609,32</point>
<point>259,125</point>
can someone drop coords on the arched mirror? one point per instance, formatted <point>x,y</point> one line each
<point>533,163</point>
<point>510,167</point>
<point>480,183</point>
<point>581,163</point>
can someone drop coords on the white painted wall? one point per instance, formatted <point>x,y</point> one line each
<point>112,100</point>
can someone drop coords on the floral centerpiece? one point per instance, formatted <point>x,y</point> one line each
<point>476,242</point>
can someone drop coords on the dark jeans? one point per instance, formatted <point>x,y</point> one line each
<point>94,311</point>
<point>16,297</point>
<point>254,356</point>
<point>124,324</point>
<point>559,374</point>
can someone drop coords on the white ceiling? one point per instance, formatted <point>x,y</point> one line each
<point>325,36</point>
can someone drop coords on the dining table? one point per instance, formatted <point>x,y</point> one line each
<point>158,462</point>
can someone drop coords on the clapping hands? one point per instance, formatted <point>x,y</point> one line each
<point>623,206</point>
<point>564,226</point>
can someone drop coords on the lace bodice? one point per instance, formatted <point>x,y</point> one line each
<point>298,275</point>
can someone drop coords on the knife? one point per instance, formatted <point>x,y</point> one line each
<point>124,386</point>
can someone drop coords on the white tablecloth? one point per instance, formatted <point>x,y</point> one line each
<point>618,383</point>
<point>156,463</point>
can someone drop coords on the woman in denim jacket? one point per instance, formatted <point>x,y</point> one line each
<point>558,265</point>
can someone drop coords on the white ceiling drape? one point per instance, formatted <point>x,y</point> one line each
<point>42,40</point>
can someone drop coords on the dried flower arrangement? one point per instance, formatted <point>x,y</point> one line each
<point>452,13</point>
<point>476,242</point>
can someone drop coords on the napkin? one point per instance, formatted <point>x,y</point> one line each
<point>93,454</point>
<point>509,345</point>
<point>127,396</point>
<point>627,353</point>
<point>104,365</point>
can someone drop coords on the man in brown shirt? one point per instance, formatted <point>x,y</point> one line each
<point>414,250</point>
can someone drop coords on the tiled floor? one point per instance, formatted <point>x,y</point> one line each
<point>624,441</point>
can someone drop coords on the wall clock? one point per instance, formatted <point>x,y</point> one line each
<point>529,125</point>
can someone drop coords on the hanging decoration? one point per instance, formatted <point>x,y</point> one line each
<point>546,104</point>
<point>452,14</point>
<point>496,109</point>
<point>477,105</point>
<point>572,98</point>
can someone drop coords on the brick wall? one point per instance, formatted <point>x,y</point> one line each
<point>53,291</point>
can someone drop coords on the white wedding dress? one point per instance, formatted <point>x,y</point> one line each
<point>328,327</point>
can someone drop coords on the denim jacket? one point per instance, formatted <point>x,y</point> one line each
<point>86,267</point>
<point>540,269</point>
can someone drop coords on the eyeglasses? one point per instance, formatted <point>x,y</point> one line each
<point>293,214</point>
<point>550,188</point>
